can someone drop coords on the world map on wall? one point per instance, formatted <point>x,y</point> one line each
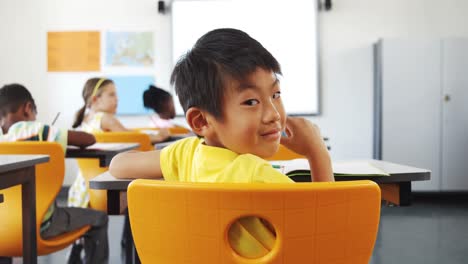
<point>129,49</point>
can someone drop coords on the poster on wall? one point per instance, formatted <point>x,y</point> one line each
<point>130,49</point>
<point>130,93</point>
<point>73,51</point>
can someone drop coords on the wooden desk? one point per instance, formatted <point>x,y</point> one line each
<point>395,188</point>
<point>116,205</point>
<point>102,151</point>
<point>16,170</point>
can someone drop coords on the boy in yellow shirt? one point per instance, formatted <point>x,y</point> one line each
<point>228,85</point>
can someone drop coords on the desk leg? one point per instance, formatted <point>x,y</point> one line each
<point>405,193</point>
<point>131,255</point>
<point>396,193</point>
<point>113,202</point>
<point>28,195</point>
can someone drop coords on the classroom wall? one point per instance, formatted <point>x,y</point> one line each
<point>347,33</point>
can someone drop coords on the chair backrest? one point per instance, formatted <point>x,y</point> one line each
<point>177,222</point>
<point>49,179</point>
<point>284,153</point>
<point>177,130</point>
<point>90,167</point>
<point>126,137</point>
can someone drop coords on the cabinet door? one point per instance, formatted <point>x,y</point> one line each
<point>411,105</point>
<point>455,115</point>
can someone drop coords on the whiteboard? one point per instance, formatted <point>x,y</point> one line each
<point>288,29</point>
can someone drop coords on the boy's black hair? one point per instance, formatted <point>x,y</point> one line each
<point>156,98</point>
<point>221,55</point>
<point>12,97</point>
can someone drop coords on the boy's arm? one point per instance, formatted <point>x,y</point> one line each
<point>80,139</point>
<point>305,139</point>
<point>135,165</point>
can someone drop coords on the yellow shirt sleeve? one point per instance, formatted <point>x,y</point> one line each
<point>176,159</point>
<point>265,173</point>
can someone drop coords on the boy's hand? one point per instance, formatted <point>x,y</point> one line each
<point>303,137</point>
<point>164,133</point>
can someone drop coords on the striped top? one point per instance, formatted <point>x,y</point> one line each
<point>36,131</point>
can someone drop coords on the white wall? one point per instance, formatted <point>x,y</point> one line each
<point>346,35</point>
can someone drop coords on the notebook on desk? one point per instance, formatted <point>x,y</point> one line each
<point>300,167</point>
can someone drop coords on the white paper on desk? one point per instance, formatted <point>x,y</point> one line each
<point>150,132</point>
<point>106,146</point>
<point>357,168</point>
<point>343,168</point>
<point>287,166</point>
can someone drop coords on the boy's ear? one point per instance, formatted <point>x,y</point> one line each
<point>197,120</point>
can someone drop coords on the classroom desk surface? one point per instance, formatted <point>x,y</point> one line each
<point>102,151</point>
<point>395,188</point>
<point>16,170</point>
<point>170,140</point>
<point>400,176</point>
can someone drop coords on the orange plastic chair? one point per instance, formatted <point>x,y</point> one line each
<point>177,130</point>
<point>180,222</point>
<point>90,167</point>
<point>284,153</point>
<point>49,179</point>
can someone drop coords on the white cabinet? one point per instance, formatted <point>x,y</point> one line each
<point>421,108</point>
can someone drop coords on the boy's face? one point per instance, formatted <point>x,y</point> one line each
<point>253,116</point>
<point>107,100</point>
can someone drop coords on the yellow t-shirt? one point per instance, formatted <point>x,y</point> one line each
<point>190,160</point>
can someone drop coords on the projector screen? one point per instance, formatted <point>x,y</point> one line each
<point>288,29</point>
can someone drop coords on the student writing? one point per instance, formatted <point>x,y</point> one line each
<point>18,123</point>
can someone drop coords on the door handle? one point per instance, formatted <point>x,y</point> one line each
<point>447,98</point>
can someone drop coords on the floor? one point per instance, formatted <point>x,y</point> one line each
<point>433,230</point>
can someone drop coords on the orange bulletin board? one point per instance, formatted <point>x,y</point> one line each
<point>73,51</point>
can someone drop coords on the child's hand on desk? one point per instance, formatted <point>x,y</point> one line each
<point>164,133</point>
<point>161,135</point>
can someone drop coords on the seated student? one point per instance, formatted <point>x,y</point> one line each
<point>98,115</point>
<point>18,123</point>
<point>229,87</point>
<point>161,102</point>
<point>100,105</point>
